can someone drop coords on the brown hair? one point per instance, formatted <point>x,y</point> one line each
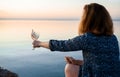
<point>96,19</point>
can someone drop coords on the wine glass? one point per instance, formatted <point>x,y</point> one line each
<point>34,36</point>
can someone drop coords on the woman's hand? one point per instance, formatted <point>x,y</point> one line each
<point>68,59</point>
<point>71,60</point>
<point>36,44</point>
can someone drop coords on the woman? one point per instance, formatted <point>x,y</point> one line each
<point>97,41</point>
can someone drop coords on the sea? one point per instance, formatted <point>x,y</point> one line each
<point>16,52</point>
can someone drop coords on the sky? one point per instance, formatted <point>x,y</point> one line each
<point>52,8</point>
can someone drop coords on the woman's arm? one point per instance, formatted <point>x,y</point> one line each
<point>73,44</point>
<point>37,44</point>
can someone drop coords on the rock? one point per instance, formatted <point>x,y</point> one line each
<point>7,73</point>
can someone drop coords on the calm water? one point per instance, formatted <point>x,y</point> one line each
<point>16,52</point>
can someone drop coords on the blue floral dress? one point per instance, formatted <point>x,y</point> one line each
<point>100,54</point>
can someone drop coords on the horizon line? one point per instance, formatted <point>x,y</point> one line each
<point>39,18</point>
<point>50,19</point>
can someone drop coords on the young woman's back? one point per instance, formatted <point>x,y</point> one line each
<point>101,56</point>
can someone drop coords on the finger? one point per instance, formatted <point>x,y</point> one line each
<point>67,60</point>
<point>72,60</point>
<point>33,42</point>
<point>34,47</point>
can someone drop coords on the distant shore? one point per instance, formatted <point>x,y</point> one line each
<point>51,19</point>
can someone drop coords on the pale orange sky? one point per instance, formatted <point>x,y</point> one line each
<point>38,14</point>
<point>52,8</point>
